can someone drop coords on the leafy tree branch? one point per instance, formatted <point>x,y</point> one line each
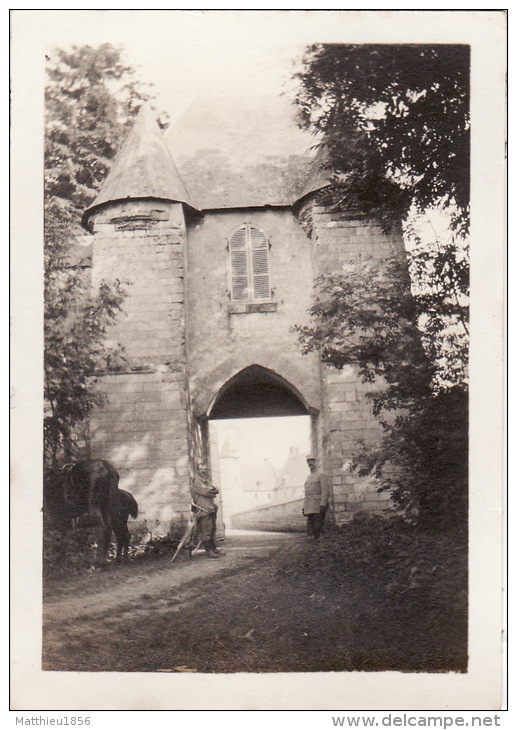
<point>91,98</point>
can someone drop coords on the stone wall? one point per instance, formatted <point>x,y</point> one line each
<point>143,428</point>
<point>184,340</point>
<point>273,517</point>
<point>347,419</point>
<point>222,342</point>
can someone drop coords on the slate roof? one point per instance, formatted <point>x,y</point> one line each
<point>144,168</point>
<point>242,152</point>
<point>224,152</point>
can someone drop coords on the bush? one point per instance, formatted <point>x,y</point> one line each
<point>167,544</point>
<point>404,554</point>
<point>406,586</point>
<point>67,552</point>
<point>412,570</point>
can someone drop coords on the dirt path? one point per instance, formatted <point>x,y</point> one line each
<point>97,593</point>
<point>88,615</point>
<point>267,606</point>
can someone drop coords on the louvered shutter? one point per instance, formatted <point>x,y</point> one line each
<point>239,265</point>
<point>249,265</point>
<point>259,264</point>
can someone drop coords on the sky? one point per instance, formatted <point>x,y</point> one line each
<point>189,53</point>
<point>257,439</point>
<point>193,53</point>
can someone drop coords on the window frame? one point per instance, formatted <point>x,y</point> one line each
<point>251,299</point>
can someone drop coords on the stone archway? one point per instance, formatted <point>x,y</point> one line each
<point>261,493</point>
<point>256,392</point>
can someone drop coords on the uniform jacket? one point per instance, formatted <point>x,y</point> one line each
<point>203,494</point>
<point>316,492</point>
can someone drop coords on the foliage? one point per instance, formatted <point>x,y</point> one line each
<point>423,460</point>
<point>403,585</point>
<point>75,353</point>
<point>66,553</point>
<point>439,272</point>
<point>394,127</point>
<point>69,549</point>
<point>411,564</point>
<point>91,98</point>
<point>159,546</point>
<point>367,317</point>
<point>395,123</point>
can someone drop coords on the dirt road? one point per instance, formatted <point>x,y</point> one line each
<point>128,586</point>
<point>117,619</point>
<point>271,604</point>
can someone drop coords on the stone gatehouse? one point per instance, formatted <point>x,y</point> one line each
<point>219,231</point>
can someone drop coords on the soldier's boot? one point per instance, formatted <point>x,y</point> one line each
<point>210,553</point>
<point>215,549</point>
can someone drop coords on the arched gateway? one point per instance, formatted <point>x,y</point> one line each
<point>221,232</point>
<point>257,392</point>
<point>249,434</point>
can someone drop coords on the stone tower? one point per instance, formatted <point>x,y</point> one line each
<point>220,232</point>
<point>138,223</point>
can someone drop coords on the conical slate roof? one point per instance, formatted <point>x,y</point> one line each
<point>144,168</point>
<point>318,176</point>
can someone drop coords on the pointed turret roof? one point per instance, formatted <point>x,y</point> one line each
<point>144,168</point>
<point>228,451</point>
<point>318,175</point>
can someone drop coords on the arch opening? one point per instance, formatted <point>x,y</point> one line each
<point>260,430</point>
<point>257,392</point>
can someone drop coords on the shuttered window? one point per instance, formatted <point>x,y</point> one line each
<point>249,265</point>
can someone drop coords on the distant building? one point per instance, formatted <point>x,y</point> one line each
<point>292,476</point>
<point>245,484</point>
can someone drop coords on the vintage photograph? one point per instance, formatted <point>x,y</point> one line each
<point>256,350</point>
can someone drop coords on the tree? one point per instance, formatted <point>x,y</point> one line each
<point>439,273</point>
<point>394,120</point>
<point>365,315</point>
<point>91,98</point>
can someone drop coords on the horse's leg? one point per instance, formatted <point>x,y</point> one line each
<point>103,545</point>
<point>127,539</point>
<point>120,547</point>
<point>123,538</point>
<point>103,537</point>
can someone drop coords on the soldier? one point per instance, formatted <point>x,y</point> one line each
<point>316,498</point>
<point>203,495</point>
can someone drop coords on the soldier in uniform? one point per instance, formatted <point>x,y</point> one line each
<point>316,498</point>
<point>203,495</point>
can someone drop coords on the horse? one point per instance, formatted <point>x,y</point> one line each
<point>128,508</point>
<point>91,488</point>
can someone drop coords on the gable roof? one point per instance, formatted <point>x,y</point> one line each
<point>144,168</point>
<point>237,152</point>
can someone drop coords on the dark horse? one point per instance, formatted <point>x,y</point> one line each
<point>91,488</point>
<point>128,508</point>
